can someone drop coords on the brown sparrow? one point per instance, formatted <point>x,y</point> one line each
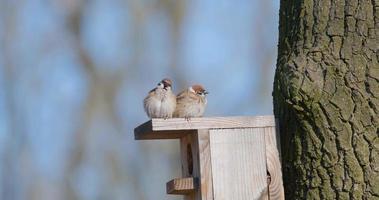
<point>161,101</point>
<point>191,102</point>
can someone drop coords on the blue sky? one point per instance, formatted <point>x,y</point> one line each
<point>223,45</point>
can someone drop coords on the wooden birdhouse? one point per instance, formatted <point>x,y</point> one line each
<point>223,158</point>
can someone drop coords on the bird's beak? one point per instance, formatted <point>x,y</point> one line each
<point>206,92</point>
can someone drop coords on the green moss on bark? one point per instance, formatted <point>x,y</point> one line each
<point>326,96</point>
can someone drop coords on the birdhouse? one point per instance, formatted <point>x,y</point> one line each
<point>222,158</point>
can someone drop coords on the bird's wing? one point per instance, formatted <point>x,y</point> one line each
<point>151,92</point>
<point>186,98</point>
<point>181,95</point>
<point>186,95</point>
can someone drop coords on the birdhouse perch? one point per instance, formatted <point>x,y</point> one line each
<point>222,157</point>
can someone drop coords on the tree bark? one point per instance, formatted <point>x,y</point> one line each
<point>326,97</point>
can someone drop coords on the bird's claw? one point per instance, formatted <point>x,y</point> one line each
<point>188,119</point>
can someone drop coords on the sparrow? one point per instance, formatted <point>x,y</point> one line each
<point>161,101</point>
<point>191,102</point>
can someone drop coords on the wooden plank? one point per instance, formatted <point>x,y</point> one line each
<point>212,122</point>
<point>202,165</point>
<point>238,164</point>
<point>276,190</point>
<point>181,186</point>
<point>175,127</point>
<point>188,151</point>
<point>145,132</point>
<point>195,159</point>
<point>160,135</point>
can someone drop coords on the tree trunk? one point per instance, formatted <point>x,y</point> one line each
<point>326,96</point>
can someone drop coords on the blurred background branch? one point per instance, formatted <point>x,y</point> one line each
<point>73,75</point>
<point>15,143</point>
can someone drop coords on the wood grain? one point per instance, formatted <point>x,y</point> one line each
<point>276,190</point>
<point>195,159</point>
<point>181,186</point>
<point>202,165</point>
<point>145,132</point>
<point>229,157</point>
<point>238,164</point>
<point>176,127</point>
<point>188,151</point>
<point>212,122</point>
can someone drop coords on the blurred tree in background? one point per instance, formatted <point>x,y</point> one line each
<point>73,74</point>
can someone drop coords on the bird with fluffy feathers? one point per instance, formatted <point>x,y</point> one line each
<point>191,102</point>
<point>161,101</point>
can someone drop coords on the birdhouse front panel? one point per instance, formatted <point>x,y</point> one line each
<point>238,163</point>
